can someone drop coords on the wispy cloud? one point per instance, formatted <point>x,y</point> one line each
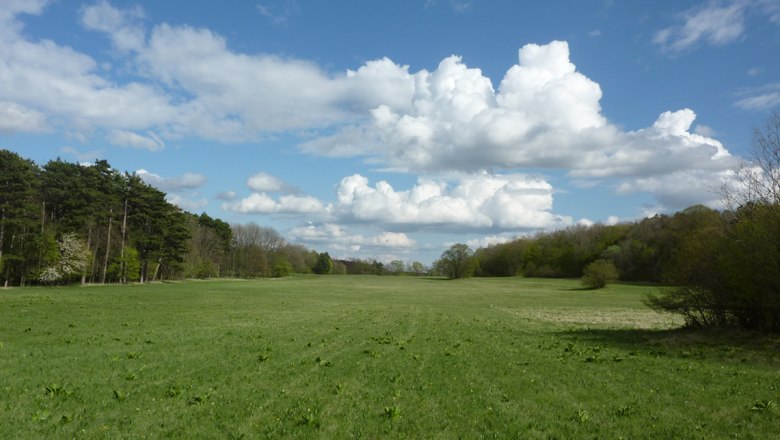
<point>82,156</point>
<point>186,181</point>
<point>456,5</point>
<point>279,13</point>
<point>124,138</point>
<point>712,23</point>
<point>460,5</point>
<point>759,98</point>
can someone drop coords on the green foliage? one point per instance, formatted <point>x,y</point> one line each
<point>641,251</point>
<point>256,251</point>
<point>356,266</point>
<point>457,262</point>
<point>392,412</point>
<point>66,221</point>
<point>598,274</point>
<point>20,217</point>
<point>718,280</point>
<point>763,405</point>
<point>397,267</point>
<point>339,268</point>
<point>205,269</point>
<point>129,263</point>
<point>282,269</point>
<point>323,265</point>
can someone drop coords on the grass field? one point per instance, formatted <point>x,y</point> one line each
<point>373,357</point>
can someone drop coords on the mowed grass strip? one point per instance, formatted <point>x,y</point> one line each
<point>373,357</point>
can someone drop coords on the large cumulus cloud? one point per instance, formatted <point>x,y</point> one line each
<point>479,202</point>
<point>544,114</point>
<point>468,203</point>
<point>186,81</point>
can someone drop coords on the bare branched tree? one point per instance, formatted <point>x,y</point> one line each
<point>758,180</point>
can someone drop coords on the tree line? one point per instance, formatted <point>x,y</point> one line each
<point>642,251</point>
<point>67,222</point>
<point>722,267</point>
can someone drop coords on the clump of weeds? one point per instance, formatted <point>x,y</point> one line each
<point>392,412</point>
<point>763,406</point>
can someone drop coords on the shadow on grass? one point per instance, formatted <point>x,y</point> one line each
<point>579,289</point>
<point>678,341</point>
<point>621,283</point>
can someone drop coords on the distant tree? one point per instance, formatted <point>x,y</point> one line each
<point>324,264</point>
<point>457,261</point>
<point>397,267</point>
<point>74,254</point>
<point>282,269</point>
<point>127,267</point>
<point>418,268</point>
<point>599,273</point>
<point>298,256</point>
<point>339,268</point>
<point>69,258</point>
<point>256,248</point>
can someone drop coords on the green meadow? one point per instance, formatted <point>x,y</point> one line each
<point>373,357</point>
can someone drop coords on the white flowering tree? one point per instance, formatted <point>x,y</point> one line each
<point>72,259</point>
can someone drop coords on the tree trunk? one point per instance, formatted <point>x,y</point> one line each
<point>43,223</point>
<point>108,246</point>
<point>2,232</point>
<point>122,265</point>
<point>156,269</point>
<point>94,262</point>
<point>84,271</point>
<point>144,267</point>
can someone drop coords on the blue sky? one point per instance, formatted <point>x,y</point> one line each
<point>391,130</point>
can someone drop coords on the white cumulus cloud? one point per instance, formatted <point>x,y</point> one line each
<point>452,118</point>
<point>264,182</point>
<point>490,240</point>
<point>338,238</point>
<point>262,203</point>
<point>477,202</point>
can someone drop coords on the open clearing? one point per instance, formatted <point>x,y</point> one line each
<point>373,357</point>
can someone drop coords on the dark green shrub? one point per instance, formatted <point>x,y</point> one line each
<point>599,273</point>
<point>282,269</point>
